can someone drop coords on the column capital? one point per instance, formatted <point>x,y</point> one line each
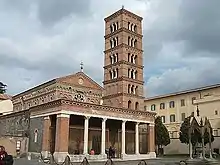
<point>124,121</point>
<point>151,124</point>
<point>87,117</point>
<point>137,123</point>
<point>63,115</point>
<point>46,117</point>
<point>104,119</point>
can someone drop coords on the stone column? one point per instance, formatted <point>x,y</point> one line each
<point>151,141</point>
<point>62,137</point>
<point>46,137</point>
<point>86,135</point>
<point>137,138</point>
<point>123,139</point>
<point>103,136</point>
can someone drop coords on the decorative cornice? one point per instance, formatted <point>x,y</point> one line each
<point>123,29</point>
<point>121,46</point>
<point>123,11</point>
<point>122,94</point>
<point>124,62</point>
<point>123,78</point>
<point>35,88</point>
<point>64,102</point>
<point>14,114</point>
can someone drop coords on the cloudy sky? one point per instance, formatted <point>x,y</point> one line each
<point>44,39</point>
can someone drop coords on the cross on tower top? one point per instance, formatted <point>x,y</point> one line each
<point>123,7</point>
<point>81,66</point>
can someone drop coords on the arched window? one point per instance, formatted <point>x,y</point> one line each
<point>135,43</point>
<point>114,27</point>
<point>117,26</point>
<point>114,42</point>
<point>129,70</point>
<point>129,55</point>
<point>129,88</point>
<point>132,89</point>
<point>131,43</point>
<point>128,25</point>
<point>135,59</point>
<point>132,27</point>
<point>136,106</point>
<point>136,90</point>
<point>129,104</point>
<point>135,28</point>
<point>132,73</point>
<point>129,38</point>
<point>110,74</point>
<point>111,28</point>
<point>132,58</point>
<point>116,73</point>
<point>116,57</point>
<point>111,43</point>
<point>135,75</point>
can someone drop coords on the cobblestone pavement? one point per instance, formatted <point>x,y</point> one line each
<point>149,162</point>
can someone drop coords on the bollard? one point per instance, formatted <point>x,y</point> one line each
<point>109,162</point>
<point>85,162</point>
<point>67,160</point>
<point>142,162</point>
<point>182,162</point>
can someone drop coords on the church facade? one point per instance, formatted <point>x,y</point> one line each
<point>74,115</point>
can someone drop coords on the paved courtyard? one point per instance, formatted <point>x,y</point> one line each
<point>166,161</point>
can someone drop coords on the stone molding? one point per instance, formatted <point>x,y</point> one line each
<point>123,29</point>
<point>62,115</point>
<point>61,102</point>
<point>124,11</point>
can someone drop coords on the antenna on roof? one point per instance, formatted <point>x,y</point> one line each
<point>81,66</point>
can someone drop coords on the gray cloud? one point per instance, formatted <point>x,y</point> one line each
<point>40,40</point>
<point>51,11</point>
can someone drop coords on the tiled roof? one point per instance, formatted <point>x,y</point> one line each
<point>5,97</point>
<point>183,92</point>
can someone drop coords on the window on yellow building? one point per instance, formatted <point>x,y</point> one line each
<point>162,105</point>
<point>194,98</point>
<point>183,116</point>
<point>163,119</point>
<point>145,107</point>
<point>182,102</point>
<point>172,104</point>
<point>172,118</point>
<point>153,107</point>
<point>216,112</point>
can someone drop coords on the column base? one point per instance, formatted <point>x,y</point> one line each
<point>60,156</point>
<point>152,155</point>
<point>45,154</point>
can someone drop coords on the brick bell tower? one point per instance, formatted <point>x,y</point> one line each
<point>123,65</point>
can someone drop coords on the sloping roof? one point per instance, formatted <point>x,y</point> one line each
<point>71,79</point>
<point>183,92</point>
<point>5,97</point>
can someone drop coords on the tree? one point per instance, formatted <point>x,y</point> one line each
<point>162,137</point>
<point>195,136</point>
<point>2,88</point>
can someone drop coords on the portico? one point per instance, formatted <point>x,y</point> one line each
<point>77,132</point>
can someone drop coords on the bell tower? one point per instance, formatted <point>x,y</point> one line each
<point>123,65</point>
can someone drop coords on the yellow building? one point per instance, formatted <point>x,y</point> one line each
<point>175,107</point>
